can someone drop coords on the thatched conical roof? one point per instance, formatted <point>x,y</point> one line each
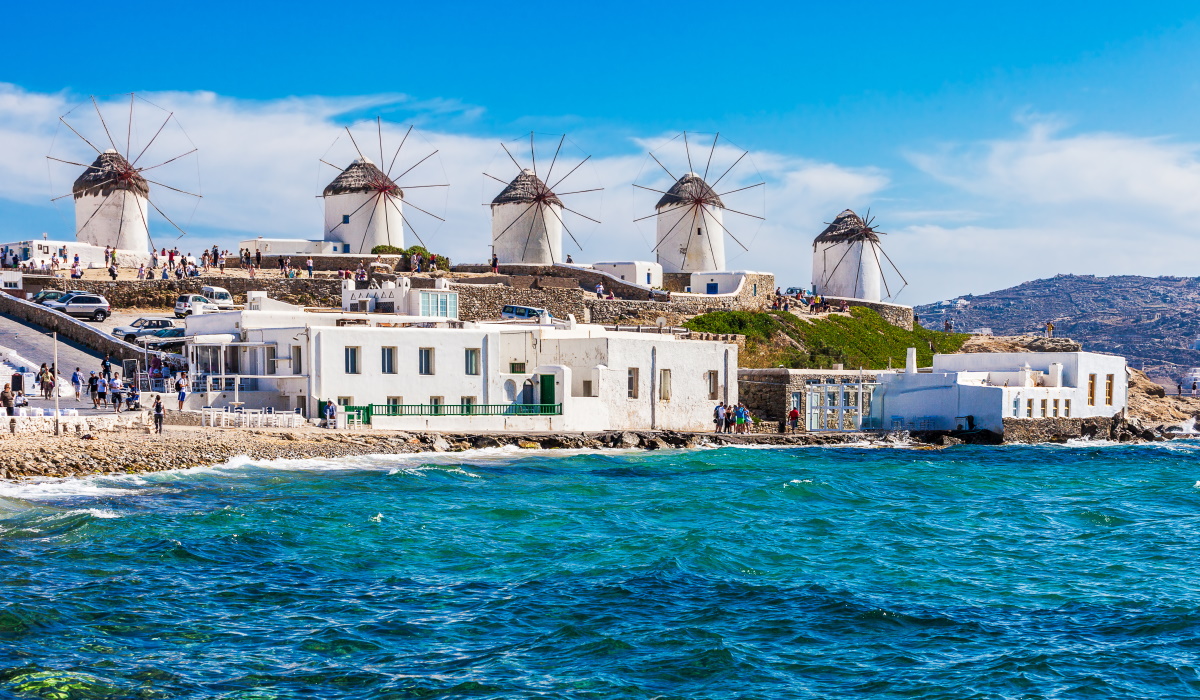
<point>526,188</point>
<point>848,226</point>
<point>362,176</point>
<point>108,173</point>
<point>689,188</point>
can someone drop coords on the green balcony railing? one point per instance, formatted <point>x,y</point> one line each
<point>454,409</point>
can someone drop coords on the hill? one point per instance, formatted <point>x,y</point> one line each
<point>860,338</point>
<point>1150,320</point>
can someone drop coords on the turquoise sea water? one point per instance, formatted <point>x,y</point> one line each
<point>971,572</point>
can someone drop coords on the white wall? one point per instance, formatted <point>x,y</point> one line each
<point>727,282</point>
<point>293,246</point>
<point>678,246</point>
<point>522,233</point>
<point>640,272</point>
<point>120,223</point>
<point>848,269</point>
<point>378,223</point>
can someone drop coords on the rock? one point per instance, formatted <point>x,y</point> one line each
<point>627,439</point>
<point>528,445</point>
<point>439,444</point>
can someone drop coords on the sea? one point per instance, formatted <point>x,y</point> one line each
<point>1051,571</point>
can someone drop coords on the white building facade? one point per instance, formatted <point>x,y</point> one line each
<point>426,372</point>
<point>981,390</point>
<point>689,233</point>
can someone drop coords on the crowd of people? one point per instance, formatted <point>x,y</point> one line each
<point>734,418</point>
<point>807,303</point>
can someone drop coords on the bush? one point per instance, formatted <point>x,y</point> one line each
<point>387,250</point>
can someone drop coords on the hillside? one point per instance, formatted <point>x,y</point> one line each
<point>1150,320</point>
<point>858,339</point>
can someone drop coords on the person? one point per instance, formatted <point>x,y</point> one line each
<point>106,366</point>
<point>1195,386</point>
<point>77,384</point>
<point>250,271</point>
<point>20,399</point>
<point>92,380</point>
<point>107,255</point>
<point>569,260</point>
<point>115,389</point>
<point>257,258</point>
<point>102,391</point>
<point>599,290</point>
<point>159,414</point>
<point>719,416</point>
<point>165,274</point>
<point>495,264</point>
<point>141,271</point>
<point>6,399</point>
<point>1179,388</point>
<point>309,264</point>
<point>221,262</point>
<point>112,270</point>
<point>133,400</point>
<point>181,386</point>
<point>948,326</point>
<point>793,417</point>
<point>1049,329</point>
<point>41,378</point>
<point>330,414</point>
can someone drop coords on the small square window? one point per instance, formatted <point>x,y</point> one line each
<point>345,218</point>
<point>471,361</point>
<point>516,368</point>
<point>424,360</point>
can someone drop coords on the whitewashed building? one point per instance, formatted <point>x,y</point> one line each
<point>434,372</point>
<point>847,260</point>
<point>689,233</point>
<point>527,223</point>
<point>981,390</point>
<point>640,272</point>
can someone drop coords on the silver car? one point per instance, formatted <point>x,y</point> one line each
<point>83,305</point>
<point>141,327</point>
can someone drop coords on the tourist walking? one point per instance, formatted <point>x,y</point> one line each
<point>6,399</point>
<point>719,417</point>
<point>106,366</point>
<point>115,389</point>
<point>92,380</point>
<point>102,391</point>
<point>793,418</point>
<point>159,414</point>
<point>77,384</point>
<point>495,264</point>
<point>181,388</point>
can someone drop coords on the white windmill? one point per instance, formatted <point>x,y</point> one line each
<point>528,216</point>
<point>848,260</point>
<point>690,226</point>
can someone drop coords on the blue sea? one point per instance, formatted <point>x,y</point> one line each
<point>1064,571</point>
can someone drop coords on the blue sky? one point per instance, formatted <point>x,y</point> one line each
<point>995,144</point>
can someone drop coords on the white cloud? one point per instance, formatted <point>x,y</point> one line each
<point>259,173</point>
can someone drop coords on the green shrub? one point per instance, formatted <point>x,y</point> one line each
<point>753,325</point>
<point>387,250</point>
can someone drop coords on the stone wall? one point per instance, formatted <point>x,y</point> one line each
<point>1036,430</point>
<point>768,392</point>
<point>68,327</point>
<point>161,294</point>
<point>485,302</point>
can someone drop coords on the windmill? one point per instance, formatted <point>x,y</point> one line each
<point>364,204</point>
<point>528,216</point>
<point>690,213</point>
<point>113,194</point>
<point>847,260</point>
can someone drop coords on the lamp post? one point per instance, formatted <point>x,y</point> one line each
<point>57,388</point>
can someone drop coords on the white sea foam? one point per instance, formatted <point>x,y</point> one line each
<point>56,489</point>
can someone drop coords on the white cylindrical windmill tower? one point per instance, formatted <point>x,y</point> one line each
<point>847,260</point>
<point>363,208</point>
<point>111,205</point>
<point>690,237</point>
<point>527,224</point>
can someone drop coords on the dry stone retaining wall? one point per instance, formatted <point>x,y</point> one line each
<point>161,294</point>
<point>69,327</point>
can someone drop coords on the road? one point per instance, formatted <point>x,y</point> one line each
<point>35,344</point>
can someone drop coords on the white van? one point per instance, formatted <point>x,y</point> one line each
<point>188,304</point>
<point>219,296</point>
<point>522,312</point>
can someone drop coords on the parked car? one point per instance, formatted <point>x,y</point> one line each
<point>188,304</point>
<point>793,291</point>
<point>52,295</point>
<point>83,305</point>
<point>163,336</point>
<point>141,327</point>
<point>522,312</point>
<point>219,296</point>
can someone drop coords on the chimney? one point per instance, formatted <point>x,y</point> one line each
<point>1056,374</point>
<point>910,361</point>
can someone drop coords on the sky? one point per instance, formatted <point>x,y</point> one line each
<point>993,144</point>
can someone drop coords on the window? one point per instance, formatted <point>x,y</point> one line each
<point>436,402</point>
<point>1016,407</point>
<point>352,360</point>
<point>467,402</point>
<point>1029,408</point>
<point>439,304</point>
<point>270,359</point>
<point>587,387</point>
<point>714,385</point>
<point>424,360</point>
<point>345,400</point>
<point>1108,390</point>
<point>345,218</point>
<point>631,383</point>
<point>516,368</point>
<point>755,293</point>
<point>664,385</point>
<point>388,360</point>
<point>1066,408</point>
<point>395,400</point>
<point>1043,408</point>
<point>471,361</point>
<point>1091,390</point>
<point>297,366</point>
<point>1054,409</point>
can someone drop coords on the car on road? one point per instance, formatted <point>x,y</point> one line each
<point>188,304</point>
<point>52,295</point>
<point>141,327</point>
<point>83,305</point>
<point>219,296</point>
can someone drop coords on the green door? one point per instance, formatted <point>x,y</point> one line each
<point>547,389</point>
